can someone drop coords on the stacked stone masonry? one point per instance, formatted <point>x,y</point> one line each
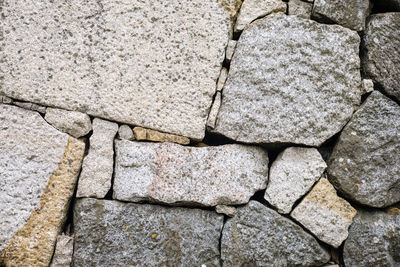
<point>200,133</point>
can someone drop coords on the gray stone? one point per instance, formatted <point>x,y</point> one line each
<point>350,14</point>
<point>230,50</point>
<point>112,233</point>
<point>365,163</point>
<point>39,167</point>
<point>291,80</point>
<point>74,123</point>
<point>300,8</point>
<point>63,253</point>
<point>148,63</point>
<point>97,168</point>
<point>259,236</point>
<point>292,175</point>
<point>5,100</point>
<point>125,132</point>
<point>254,9</point>
<point>325,214</point>
<point>381,58</point>
<point>31,106</point>
<point>367,85</point>
<point>212,117</point>
<point>227,210</point>
<point>171,173</point>
<point>374,240</point>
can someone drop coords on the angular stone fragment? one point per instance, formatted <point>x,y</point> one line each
<point>291,80</point>
<point>300,8</point>
<point>350,14</point>
<point>74,123</point>
<point>112,233</point>
<point>230,49</point>
<point>381,57</point>
<point>63,254</point>
<point>365,163</point>
<point>149,63</point>
<point>97,168</point>
<point>227,210</point>
<point>325,214</point>
<point>39,167</point>
<point>374,240</point>
<point>292,175</point>
<point>259,236</point>
<point>222,79</point>
<point>212,117</point>
<point>125,132</point>
<point>367,85</point>
<point>254,9</point>
<point>5,100</point>
<point>171,173</point>
<point>142,134</point>
<point>31,106</point>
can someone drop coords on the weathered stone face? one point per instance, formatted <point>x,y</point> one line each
<point>365,163</point>
<point>148,63</point>
<point>109,233</point>
<point>63,252</point>
<point>39,167</point>
<point>170,173</point>
<point>374,240</point>
<point>300,8</point>
<point>381,58</point>
<point>74,123</point>
<point>291,80</point>
<point>259,236</point>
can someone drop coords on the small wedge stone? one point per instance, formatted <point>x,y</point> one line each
<point>125,132</point>
<point>212,117</point>
<point>142,134</point>
<point>227,210</point>
<point>74,123</point>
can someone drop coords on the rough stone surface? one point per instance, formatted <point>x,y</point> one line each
<point>300,8</point>
<point>325,214</point>
<point>125,132</point>
<point>212,117</point>
<point>39,167</point>
<point>111,233</point>
<point>171,173</point>
<point>63,253</point>
<point>374,240</point>
<point>291,80</point>
<point>5,100</point>
<point>31,106</point>
<point>97,168</point>
<point>292,175</point>
<point>222,79</point>
<point>365,163</point>
<point>259,236</point>
<point>254,9</point>
<point>74,123</point>
<point>227,210</point>
<point>149,63</point>
<point>381,57</point>
<point>350,14</point>
<point>367,85</point>
<point>232,6</point>
<point>230,50</point>
<point>142,134</point>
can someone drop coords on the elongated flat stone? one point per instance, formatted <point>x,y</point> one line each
<point>259,236</point>
<point>291,80</point>
<point>149,63</point>
<point>171,173</point>
<point>111,233</point>
<point>74,123</point>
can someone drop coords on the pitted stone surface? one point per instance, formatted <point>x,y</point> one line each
<point>125,132</point>
<point>381,59</point>
<point>291,80</point>
<point>300,8</point>
<point>374,240</point>
<point>325,214</point>
<point>365,163</point>
<point>292,175</point>
<point>74,123</point>
<point>259,236</point>
<point>149,63</point>
<point>171,173</point>
<point>111,233</point>
<point>63,252</point>
<point>97,168</point>
<point>350,14</point>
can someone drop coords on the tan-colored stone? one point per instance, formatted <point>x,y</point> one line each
<point>143,134</point>
<point>393,211</point>
<point>232,6</point>
<point>34,243</point>
<point>227,210</point>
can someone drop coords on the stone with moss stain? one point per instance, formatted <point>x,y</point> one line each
<point>374,240</point>
<point>39,168</point>
<point>365,163</point>
<point>175,174</point>
<point>304,96</point>
<point>110,233</point>
<point>63,253</point>
<point>259,236</point>
<point>325,214</point>
<point>74,123</point>
<point>142,134</point>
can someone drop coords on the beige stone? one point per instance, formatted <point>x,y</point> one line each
<point>34,243</point>
<point>142,134</point>
<point>63,253</point>
<point>227,210</point>
<point>222,79</point>
<point>232,6</point>
<point>212,116</point>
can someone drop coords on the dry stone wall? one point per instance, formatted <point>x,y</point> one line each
<point>200,133</point>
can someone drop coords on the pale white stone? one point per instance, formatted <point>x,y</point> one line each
<point>230,49</point>
<point>126,132</point>
<point>74,123</point>
<point>222,79</point>
<point>212,117</point>
<point>31,106</point>
<point>63,252</point>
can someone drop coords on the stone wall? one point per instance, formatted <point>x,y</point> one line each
<point>200,133</point>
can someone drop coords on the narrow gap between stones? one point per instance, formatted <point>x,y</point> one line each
<point>109,194</point>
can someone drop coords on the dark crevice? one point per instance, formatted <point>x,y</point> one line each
<point>384,6</point>
<point>109,194</point>
<point>236,35</point>
<point>380,88</point>
<point>326,148</point>
<point>214,139</point>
